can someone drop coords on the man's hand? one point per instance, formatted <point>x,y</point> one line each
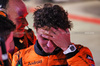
<point>60,37</point>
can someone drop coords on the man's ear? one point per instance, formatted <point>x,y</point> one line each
<point>67,30</point>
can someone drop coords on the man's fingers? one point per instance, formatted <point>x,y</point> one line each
<point>47,36</point>
<point>62,31</point>
<point>55,31</point>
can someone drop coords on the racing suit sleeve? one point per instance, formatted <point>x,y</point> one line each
<point>81,58</point>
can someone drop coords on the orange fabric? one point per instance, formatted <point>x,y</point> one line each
<point>30,36</point>
<point>10,59</point>
<point>80,58</point>
<point>30,58</point>
<point>3,14</point>
<point>1,63</point>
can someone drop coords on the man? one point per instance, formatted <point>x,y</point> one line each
<point>6,33</point>
<point>53,47</point>
<point>17,12</point>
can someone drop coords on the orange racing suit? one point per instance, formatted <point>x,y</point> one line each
<point>35,56</point>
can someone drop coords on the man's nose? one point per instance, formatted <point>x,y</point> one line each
<point>50,44</point>
<point>25,22</point>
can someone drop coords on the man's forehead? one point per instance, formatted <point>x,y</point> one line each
<point>43,29</point>
<point>18,13</point>
<point>17,6</point>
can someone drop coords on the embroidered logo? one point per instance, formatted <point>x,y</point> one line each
<point>89,57</point>
<point>35,62</point>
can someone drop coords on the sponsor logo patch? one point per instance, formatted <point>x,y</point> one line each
<point>35,62</point>
<point>90,59</point>
<point>92,65</point>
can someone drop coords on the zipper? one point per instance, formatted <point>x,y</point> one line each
<point>48,61</point>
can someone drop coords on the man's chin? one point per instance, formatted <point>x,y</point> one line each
<point>48,52</point>
<point>19,34</point>
<point>20,30</point>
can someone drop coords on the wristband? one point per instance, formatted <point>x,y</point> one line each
<point>70,49</point>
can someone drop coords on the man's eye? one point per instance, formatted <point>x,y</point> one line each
<point>45,39</point>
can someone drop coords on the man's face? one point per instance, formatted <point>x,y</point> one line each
<point>18,16</point>
<point>21,22</point>
<point>47,45</point>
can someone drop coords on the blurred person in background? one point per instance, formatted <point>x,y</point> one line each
<point>17,12</point>
<point>6,33</point>
<point>6,36</point>
<point>53,46</point>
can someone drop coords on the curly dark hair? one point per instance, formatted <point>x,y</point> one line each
<point>6,26</point>
<point>52,16</point>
